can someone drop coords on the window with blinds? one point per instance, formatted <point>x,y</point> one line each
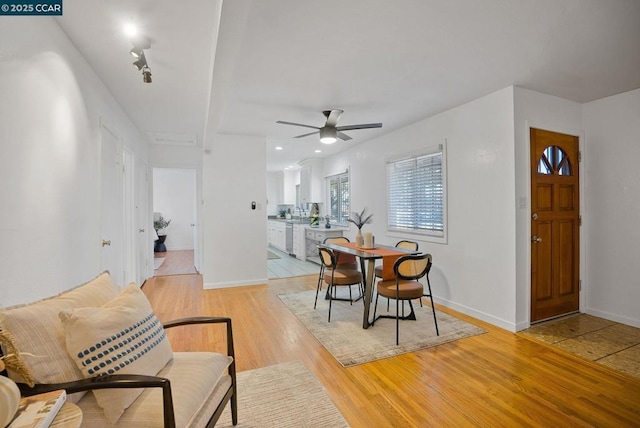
<point>416,194</point>
<point>338,186</point>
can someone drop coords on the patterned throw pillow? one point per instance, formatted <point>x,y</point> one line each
<point>122,336</point>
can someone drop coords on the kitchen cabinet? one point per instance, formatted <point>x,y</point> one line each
<point>277,234</point>
<point>285,187</point>
<point>314,236</point>
<point>311,181</point>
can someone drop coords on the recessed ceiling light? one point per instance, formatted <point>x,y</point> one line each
<point>130,29</point>
<point>318,151</point>
<point>278,148</point>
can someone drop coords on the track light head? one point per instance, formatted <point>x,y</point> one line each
<point>136,52</point>
<point>146,75</point>
<point>141,62</point>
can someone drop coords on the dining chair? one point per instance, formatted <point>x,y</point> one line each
<point>406,245</point>
<point>406,286</point>
<point>336,276</point>
<point>343,260</point>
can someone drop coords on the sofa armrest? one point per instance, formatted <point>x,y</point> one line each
<point>112,381</point>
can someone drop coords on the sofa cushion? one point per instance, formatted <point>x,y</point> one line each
<point>38,333</point>
<point>198,384</point>
<point>122,336</point>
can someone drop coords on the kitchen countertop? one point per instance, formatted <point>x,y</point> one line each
<point>307,225</point>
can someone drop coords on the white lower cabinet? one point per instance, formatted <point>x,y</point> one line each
<point>313,237</point>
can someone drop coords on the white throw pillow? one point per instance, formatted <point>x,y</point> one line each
<point>122,336</point>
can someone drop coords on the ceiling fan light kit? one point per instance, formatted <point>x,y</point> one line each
<point>330,133</point>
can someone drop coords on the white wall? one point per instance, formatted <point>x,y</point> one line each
<point>536,110</point>
<point>51,105</point>
<point>174,197</point>
<point>475,271</point>
<point>235,237</point>
<point>611,221</point>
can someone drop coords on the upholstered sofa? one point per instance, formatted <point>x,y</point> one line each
<point>107,349</point>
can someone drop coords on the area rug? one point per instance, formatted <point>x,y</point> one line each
<point>272,255</point>
<point>350,344</point>
<point>157,262</point>
<point>284,395</point>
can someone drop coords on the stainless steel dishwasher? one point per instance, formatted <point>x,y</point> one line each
<point>289,236</point>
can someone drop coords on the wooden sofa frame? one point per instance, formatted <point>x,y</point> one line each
<point>143,381</point>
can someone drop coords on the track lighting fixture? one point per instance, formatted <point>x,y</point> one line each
<point>141,63</point>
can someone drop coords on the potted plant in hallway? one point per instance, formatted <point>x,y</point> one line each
<point>160,224</point>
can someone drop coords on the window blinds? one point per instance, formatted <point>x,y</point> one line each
<point>415,194</point>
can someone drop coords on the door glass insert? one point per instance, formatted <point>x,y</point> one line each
<point>554,160</point>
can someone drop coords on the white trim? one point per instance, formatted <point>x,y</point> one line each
<point>477,314</point>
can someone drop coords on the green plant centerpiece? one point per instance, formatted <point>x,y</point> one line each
<point>360,219</point>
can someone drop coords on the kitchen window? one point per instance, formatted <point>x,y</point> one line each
<point>338,186</point>
<point>416,194</point>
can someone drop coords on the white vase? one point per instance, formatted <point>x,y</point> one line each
<point>9,400</point>
<point>359,239</point>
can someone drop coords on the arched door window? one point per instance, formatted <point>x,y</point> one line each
<point>554,161</point>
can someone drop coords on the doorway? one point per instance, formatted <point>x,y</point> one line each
<point>555,224</point>
<point>174,198</point>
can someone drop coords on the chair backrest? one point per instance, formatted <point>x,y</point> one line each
<point>412,266</point>
<point>407,245</point>
<point>327,258</point>
<point>335,240</point>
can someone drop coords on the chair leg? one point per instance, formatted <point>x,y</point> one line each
<point>330,301</point>
<point>433,308</point>
<point>375,307</point>
<point>319,287</point>
<point>398,321</point>
<point>350,297</point>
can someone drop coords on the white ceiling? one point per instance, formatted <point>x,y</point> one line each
<point>241,68</point>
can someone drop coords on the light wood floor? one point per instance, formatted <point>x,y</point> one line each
<point>176,262</point>
<point>498,379</point>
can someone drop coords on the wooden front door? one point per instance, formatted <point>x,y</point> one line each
<point>555,224</point>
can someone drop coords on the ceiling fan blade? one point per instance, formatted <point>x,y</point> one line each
<point>297,124</point>
<point>343,136</point>
<point>332,117</point>
<point>361,126</point>
<point>305,135</point>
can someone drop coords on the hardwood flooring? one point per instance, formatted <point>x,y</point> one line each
<point>176,262</point>
<point>490,380</point>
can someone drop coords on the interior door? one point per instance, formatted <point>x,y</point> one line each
<point>555,224</point>
<point>111,209</point>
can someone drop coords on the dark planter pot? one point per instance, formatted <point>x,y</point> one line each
<point>159,246</point>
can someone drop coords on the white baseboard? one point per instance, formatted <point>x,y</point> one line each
<point>477,314</point>
<point>613,317</point>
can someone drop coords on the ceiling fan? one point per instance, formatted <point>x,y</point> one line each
<point>329,133</point>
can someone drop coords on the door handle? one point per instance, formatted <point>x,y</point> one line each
<point>141,230</point>
<point>106,243</point>
<point>536,240</point>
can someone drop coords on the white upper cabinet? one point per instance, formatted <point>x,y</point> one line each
<point>311,181</point>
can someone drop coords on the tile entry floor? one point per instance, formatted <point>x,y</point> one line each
<point>287,266</point>
<point>605,342</point>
